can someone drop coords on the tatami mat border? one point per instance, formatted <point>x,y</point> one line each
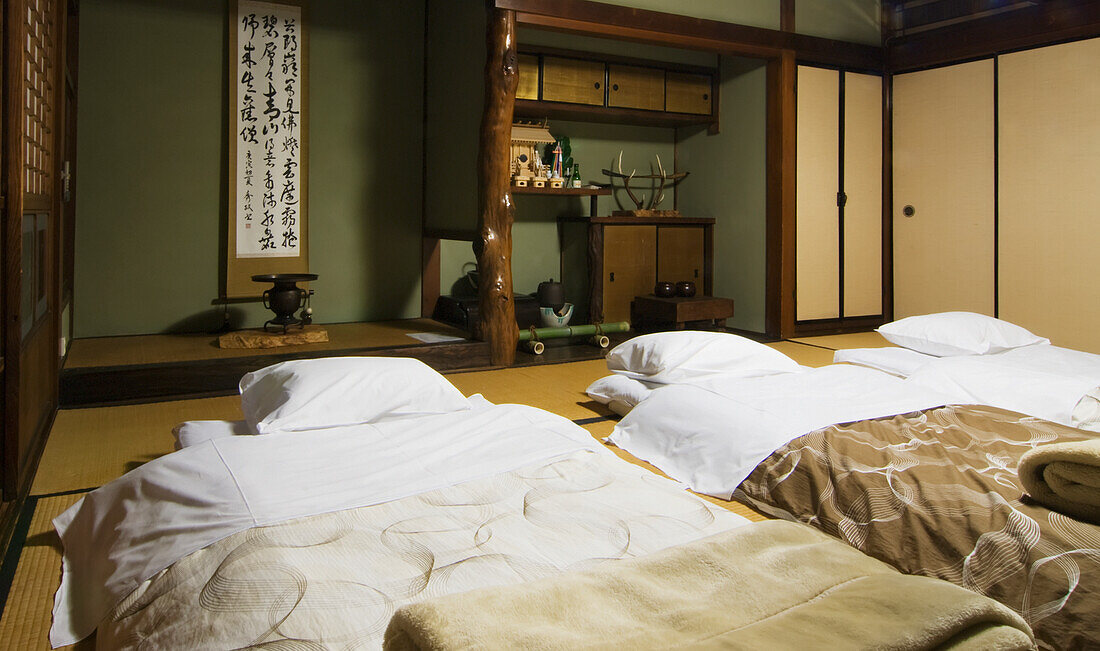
<point>19,539</point>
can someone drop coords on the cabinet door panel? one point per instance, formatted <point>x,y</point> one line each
<point>635,87</point>
<point>943,167</point>
<point>817,180</point>
<point>572,80</point>
<point>863,185</point>
<point>686,93</point>
<point>528,87</point>
<point>629,268</point>
<point>680,255</point>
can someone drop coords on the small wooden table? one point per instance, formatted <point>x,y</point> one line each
<point>656,313</point>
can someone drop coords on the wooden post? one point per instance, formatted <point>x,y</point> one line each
<point>496,211</point>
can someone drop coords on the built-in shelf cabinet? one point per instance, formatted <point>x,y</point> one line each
<point>570,85</point>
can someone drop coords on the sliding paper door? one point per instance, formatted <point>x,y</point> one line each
<point>862,213</point>
<point>818,178</point>
<point>1049,208</point>
<point>943,149</point>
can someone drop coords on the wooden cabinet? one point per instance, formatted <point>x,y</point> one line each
<point>635,87</point>
<point>575,81</point>
<point>628,255</point>
<point>594,87</point>
<point>687,93</point>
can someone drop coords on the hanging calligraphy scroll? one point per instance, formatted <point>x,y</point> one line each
<point>268,143</point>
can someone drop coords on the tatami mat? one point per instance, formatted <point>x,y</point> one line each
<point>804,354</point>
<point>90,447</point>
<point>850,340</point>
<point>157,349</point>
<point>25,623</point>
<point>554,387</point>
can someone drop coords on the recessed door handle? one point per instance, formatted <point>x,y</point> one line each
<point>612,276</point>
<point>908,211</point>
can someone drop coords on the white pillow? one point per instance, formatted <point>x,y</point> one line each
<point>329,392</point>
<point>668,357</point>
<point>619,392</point>
<point>947,334</point>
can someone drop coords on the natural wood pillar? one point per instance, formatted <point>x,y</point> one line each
<point>781,155</point>
<point>496,211</point>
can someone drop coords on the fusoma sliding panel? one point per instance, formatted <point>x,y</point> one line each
<point>817,181</point>
<point>1049,192</point>
<point>863,188</point>
<point>943,154</point>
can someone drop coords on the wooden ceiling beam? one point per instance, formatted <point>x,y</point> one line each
<point>673,30</point>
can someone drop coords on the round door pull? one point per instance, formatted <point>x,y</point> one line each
<point>908,211</point>
<point>597,84</point>
<point>614,87</point>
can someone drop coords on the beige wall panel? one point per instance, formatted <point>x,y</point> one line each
<point>1049,192</point>
<point>817,181</point>
<point>943,167</point>
<point>863,185</point>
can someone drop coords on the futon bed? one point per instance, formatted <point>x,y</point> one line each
<point>357,489</point>
<point>977,359</point>
<point>891,466</point>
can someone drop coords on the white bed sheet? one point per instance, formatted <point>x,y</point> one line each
<point>1057,384</point>
<point>712,434</point>
<point>898,361</point>
<point>126,531</point>
<point>1045,381</point>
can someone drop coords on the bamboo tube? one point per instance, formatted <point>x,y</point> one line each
<point>574,331</point>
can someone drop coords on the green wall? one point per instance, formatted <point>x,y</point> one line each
<point>151,206</point>
<point>758,13</point>
<point>729,183</point>
<point>844,20</point>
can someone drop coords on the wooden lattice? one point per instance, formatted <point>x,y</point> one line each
<point>38,96</point>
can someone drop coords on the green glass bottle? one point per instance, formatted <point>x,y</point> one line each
<point>576,178</point>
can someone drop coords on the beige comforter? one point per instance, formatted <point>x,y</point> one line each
<point>770,585</point>
<point>333,581</point>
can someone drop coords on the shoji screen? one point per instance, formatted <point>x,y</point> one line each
<point>1049,203</point>
<point>839,250</point>
<point>863,189</point>
<point>943,167</point>
<point>817,182</point>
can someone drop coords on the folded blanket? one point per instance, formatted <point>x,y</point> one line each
<point>768,585</point>
<point>1064,477</point>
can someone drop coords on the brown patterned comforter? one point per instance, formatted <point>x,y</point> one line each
<point>936,493</point>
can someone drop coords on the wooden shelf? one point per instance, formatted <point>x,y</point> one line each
<point>567,192</point>
<point>530,108</point>
<point>630,219</point>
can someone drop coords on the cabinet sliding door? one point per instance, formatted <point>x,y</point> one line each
<point>943,148</point>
